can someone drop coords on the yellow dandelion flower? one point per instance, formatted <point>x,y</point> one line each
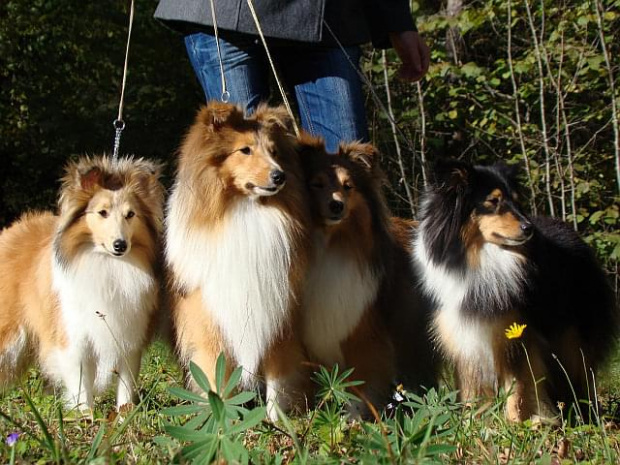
<point>515,331</point>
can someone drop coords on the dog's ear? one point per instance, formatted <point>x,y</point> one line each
<point>89,178</point>
<point>307,144</point>
<point>451,173</point>
<point>365,155</point>
<point>217,114</point>
<point>147,174</point>
<point>510,172</point>
<point>274,116</point>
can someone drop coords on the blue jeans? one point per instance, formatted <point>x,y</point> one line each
<point>327,87</point>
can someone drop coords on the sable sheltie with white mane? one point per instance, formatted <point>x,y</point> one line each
<point>237,245</point>
<point>78,291</point>
<point>487,265</point>
<point>359,277</point>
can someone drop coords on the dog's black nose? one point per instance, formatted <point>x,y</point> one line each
<point>119,246</point>
<point>336,206</point>
<point>527,228</point>
<point>277,177</point>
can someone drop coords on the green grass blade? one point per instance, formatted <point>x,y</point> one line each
<point>49,441</point>
<point>96,443</point>
<point>133,414</point>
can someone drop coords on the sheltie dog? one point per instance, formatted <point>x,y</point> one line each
<point>487,265</point>
<point>78,291</point>
<point>354,284</point>
<point>237,247</point>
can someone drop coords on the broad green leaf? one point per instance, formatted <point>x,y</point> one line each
<point>186,395</point>
<point>183,410</point>
<point>217,406</point>
<point>199,377</point>
<point>241,398</point>
<point>183,433</point>
<point>200,448</point>
<point>253,418</point>
<point>233,381</point>
<point>220,373</point>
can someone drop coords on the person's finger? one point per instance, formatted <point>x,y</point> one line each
<point>425,53</point>
<point>408,73</point>
<point>415,59</point>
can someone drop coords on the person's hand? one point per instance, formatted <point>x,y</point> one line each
<point>414,54</point>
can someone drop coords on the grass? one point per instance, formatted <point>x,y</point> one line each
<point>171,426</point>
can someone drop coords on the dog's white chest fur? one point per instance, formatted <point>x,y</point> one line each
<point>243,273</point>
<point>337,293</point>
<point>106,304</point>
<point>499,274</point>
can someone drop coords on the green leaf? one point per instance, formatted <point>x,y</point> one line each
<point>200,448</point>
<point>253,418</point>
<point>233,381</point>
<point>241,398</point>
<point>220,372</point>
<point>231,451</point>
<point>217,406</point>
<point>182,410</point>
<point>184,433</point>
<point>596,216</point>
<point>199,377</point>
<point>186,395</point>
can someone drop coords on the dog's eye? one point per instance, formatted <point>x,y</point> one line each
<point>245,150</point>
<point>103,213</point>
<point>493,202</point>
<point>130,215</point>
<point>347,186</point>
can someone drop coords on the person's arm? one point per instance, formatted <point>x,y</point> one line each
<point>391,23</point>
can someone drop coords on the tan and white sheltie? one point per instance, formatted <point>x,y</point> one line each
<point>237,246</point>
<point>78,291</point>
<point>345,312</point>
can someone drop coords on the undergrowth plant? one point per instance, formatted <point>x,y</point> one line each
<point>219,418</point>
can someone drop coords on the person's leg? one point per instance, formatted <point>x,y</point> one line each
<point>328,91</point>
<point>245,72</point>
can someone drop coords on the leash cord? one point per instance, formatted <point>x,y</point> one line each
<point>118,123</point>
<point>225,94</point>
<point>271,63</point>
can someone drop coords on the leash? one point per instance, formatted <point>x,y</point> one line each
<point>119,123</point>
<point>271,63</point>
<point>225,94</point>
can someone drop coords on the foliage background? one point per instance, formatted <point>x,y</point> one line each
<point>546,105</point>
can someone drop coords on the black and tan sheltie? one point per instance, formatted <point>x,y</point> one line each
<point>359,284</point>
<point>487,265</point>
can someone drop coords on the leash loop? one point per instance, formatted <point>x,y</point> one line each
<point>119,125</point>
